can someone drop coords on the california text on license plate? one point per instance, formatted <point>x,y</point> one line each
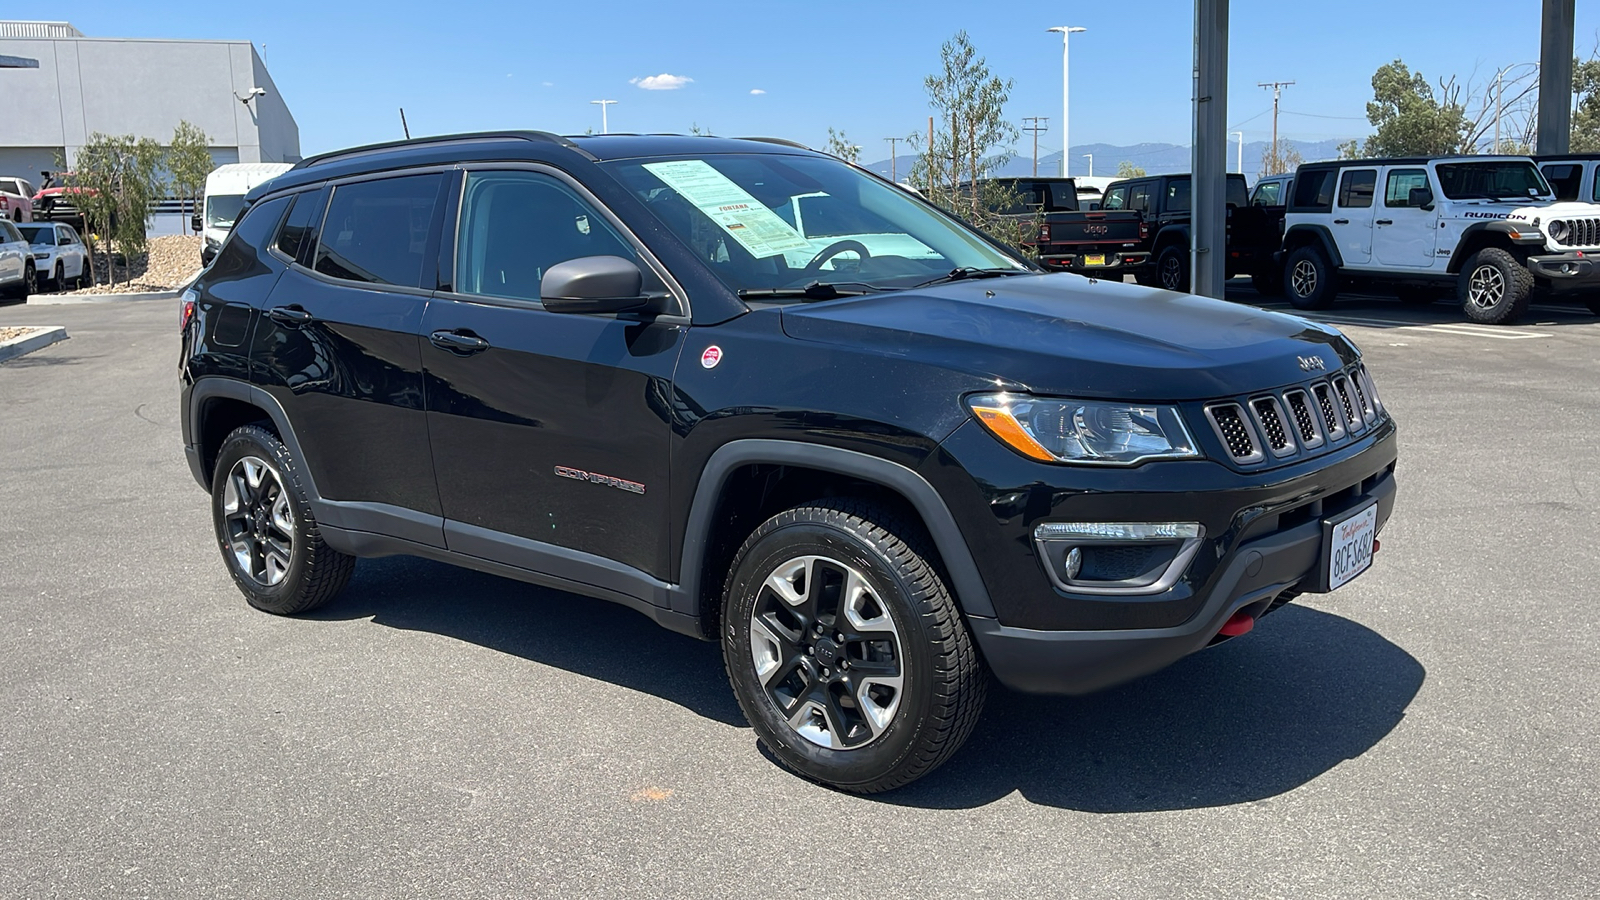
<point>1095,259</point>
<point>1350,545</point>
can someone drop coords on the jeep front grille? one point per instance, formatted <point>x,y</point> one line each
<point>1296,421</point>
<point>1580,232</point>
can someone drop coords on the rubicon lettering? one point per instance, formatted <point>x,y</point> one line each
<point>632,487</point>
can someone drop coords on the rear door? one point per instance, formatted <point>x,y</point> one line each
<point>1404,234</point>
<point>1353,215</point>
<point>338,348</point>
<point>550,430</point>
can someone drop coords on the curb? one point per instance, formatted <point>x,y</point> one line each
<point>44,337</point>
<point>68,299</point>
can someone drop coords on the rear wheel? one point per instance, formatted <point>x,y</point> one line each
<point>1309,281</point>
<point>1172,268</point>
<point>1494,288</point>
<point>268,536</point>
<point>845,649</point>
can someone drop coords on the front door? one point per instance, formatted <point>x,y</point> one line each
<point>1404,234</point>
<point>549,431</point>
<point>1352,215</point>
<point>337,347</point>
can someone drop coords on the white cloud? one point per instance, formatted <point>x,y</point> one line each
<point>548,83</point>
<point>756,91</point>
<point>662,82</point>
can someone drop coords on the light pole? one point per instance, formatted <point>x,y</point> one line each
<point>1091,164</point>
<point>605,127</point>
<point>1240,136</point>
<point>1067,31</point>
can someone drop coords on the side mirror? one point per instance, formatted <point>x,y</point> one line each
<point>195,224</point>
<point>1422,198</point>
<point>596,284</point>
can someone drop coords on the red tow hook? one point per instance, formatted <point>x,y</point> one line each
<point>1239,623</point>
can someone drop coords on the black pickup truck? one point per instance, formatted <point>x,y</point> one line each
<point>1142,229</point>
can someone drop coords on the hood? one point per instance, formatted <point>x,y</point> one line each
<point>1073,336</point>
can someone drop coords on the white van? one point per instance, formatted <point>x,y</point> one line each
<point>225,190</point>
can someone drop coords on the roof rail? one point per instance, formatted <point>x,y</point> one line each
<point>347,153</point>
<point>774,140</point>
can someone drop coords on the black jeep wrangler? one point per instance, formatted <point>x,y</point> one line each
<point>872,465</point>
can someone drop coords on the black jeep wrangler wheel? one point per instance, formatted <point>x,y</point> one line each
<point>845,648</point>
<point>1172,268</point>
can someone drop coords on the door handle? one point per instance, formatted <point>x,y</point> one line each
<point>1384,222</point>
<point>458,342</point>
<point>1341,221</point>
<point>291,316</point>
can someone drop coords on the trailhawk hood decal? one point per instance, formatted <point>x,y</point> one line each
<point>1074,336</point>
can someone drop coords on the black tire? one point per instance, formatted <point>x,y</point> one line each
<point>1172,268</point>
<point>920,634</point>
<point>305,576</point>
<point>1418,294</point>
<point>59,281</point>
<point>1268,282</point>
<point>1494,288</point>
<point>1146,275</point>
<point>30,282</point>
<point>1309,281</point>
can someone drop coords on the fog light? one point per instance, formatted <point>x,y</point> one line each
<point>1074,563</point>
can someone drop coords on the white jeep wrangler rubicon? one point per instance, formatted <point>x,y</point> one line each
<point>1487,226</point>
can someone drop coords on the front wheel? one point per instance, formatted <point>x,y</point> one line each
<point>268,536</point>
<point>1494,288</point>
<point>845,648</point>
<point>1172,268</point>
<point>1308,279</point>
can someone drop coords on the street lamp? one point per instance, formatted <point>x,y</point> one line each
<point>1067,31</point>
<point>605,127</point>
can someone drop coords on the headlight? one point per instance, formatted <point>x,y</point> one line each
<point>1076,431</point>
<point>1557,229</point>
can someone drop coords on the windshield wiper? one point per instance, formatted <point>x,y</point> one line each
<point>965,272</point>
<point>816,290</point>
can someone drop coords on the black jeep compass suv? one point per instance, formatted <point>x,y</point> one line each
<point>771,400</point>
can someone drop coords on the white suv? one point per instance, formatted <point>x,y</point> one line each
<point>1487,226</point>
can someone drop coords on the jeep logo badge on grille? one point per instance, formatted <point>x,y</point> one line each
<point>1311,363</point>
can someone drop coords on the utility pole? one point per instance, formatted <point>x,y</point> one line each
<point>605,127</point>
<point>1277,92</point>
<point>1034,125</point>
<point>893,143</point>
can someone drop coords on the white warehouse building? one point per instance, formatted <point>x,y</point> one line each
<point>138,86</point>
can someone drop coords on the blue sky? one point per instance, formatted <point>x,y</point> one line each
<point>346,67</point>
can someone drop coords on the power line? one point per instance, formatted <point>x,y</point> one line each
<point>1033,127</point>
<point>1290,112</point>
<point>894,143</point>
<point>1277,92</point>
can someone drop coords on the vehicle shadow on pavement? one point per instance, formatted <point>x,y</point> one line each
<point>1253,718</point>
<point>593,638</point>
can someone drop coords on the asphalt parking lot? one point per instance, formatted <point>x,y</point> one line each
<point>1430,730</point>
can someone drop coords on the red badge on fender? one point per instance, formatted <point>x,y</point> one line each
<point>711,357</point>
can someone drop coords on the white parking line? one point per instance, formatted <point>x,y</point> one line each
<point>1460,329</point>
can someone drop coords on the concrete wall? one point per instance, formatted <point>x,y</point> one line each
<point>138,87</point>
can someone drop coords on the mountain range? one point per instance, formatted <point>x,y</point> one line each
<point>1155,159</point>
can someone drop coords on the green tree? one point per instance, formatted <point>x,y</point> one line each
<point>188,163</point>
<point>1586,117</point>
<point>1409,119</point>
<point>970,142</point>
<point>1127,169</point>
<point>119,177</point>
<point>840,146</point>
<point>1285,157</point>
<point>1350,149</point>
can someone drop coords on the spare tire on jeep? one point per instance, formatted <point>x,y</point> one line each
<point>1494,288</point>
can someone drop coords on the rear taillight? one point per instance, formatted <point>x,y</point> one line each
<point>186,310</point>
<point>1044,232</point>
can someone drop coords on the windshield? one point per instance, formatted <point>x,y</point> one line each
<point>223,209</point>
<point>777,222</point>
<point>38,234</point>
<point>1492,180</point>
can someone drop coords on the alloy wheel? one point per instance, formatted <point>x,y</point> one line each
<point>1171,273</point>
<point>1486,287</point>
<point>259,521</point>
<point>1304,278</point>
<point>827,652</point>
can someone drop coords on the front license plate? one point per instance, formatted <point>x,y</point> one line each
<point>1094,259</point>
<point>1350,545</point>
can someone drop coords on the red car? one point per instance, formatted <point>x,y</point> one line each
<point>55,201</point>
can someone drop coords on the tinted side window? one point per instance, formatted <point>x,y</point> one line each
<point>1313,191</point>
<point>377,231</point>
<point>249,236</point>
<point>516,225</point>
<point>1178,195</point>
<point>1400,184</point>
<point>1565,179</point>
<point>1116,198</point>
<point>297,227</point>
<point>1139,197</point>
<point>1267,193</point>
<point>1356,188</point>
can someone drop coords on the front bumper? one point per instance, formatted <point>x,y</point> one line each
<point>1572,270</point>
<point>1263,540</point>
